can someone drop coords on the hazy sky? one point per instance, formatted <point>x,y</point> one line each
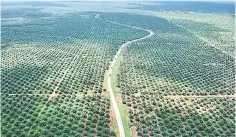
<point>119,0</point>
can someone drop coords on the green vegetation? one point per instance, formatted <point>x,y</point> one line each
<point>60,70</point>
<point>207,26</point>
<point>22,115</point>
<point>179,82</point>
<point>115,73</point>
<point>176,62</point>
<point>125,119</point>
<point>115,87</point>
<point>19,113</point>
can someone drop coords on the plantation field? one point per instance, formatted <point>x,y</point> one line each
<point>182,116</point>
<point>61,115</point>
<point>36,64</point>
<point>97,69</point>
<point>184,70</point>
<point>208,27</point>
<point>57,74</point>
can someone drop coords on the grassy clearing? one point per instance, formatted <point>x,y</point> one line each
<point>122,107</point>
<point>115,72</point>
<point>90,92</point>
<point>79,95</point>
<point>125,119</point>
<point>105,92</point>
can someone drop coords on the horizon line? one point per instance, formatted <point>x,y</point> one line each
<point>118,1</point>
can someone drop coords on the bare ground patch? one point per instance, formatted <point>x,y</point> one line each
<point>105,92</point>
<point>113,122</point>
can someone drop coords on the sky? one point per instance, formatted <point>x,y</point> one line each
<point>118,0</point>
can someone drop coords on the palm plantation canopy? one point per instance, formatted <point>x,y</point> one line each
<point>148,69</point>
